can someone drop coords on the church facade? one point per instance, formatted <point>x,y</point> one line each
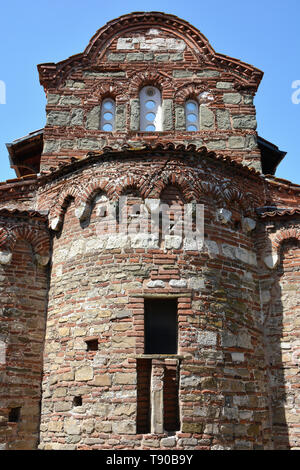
<point>119,327</point>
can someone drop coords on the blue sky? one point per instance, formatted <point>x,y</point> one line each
<point>264,33</point>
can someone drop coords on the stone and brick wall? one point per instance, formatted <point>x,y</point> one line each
<point>168,56</point>
<point>24,254</point>
<point>72,329</point>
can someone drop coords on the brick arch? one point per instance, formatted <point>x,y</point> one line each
<point>106,90</point>
<point>4,237</point>
<point>232,194</point>
<point>138,183</point>
<point>89,191</point>
<point>272,259</point>
<point>58,210</point>
<point>188,91</point>
<point>150,77</point>
<point>209,188</point>
<point>184,186</point>
<point>284,235</point>
<point>37,237</point>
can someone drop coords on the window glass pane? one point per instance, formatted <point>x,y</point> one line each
<point>192,115</point>
<point>150,116</point>
<point>107,115</point>
<point>150,109</point>
<point>107,105</point>
<point>190,106</point>
<point>150,104</point>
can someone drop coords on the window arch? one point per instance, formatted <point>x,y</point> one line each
<point>150,109</point>
<point>108,111</point>
<point>191,115</point>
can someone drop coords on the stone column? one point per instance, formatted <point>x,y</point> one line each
<point>157,408</point>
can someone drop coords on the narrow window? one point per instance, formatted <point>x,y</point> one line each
<point>92,345</point>
<point>160,326</point>
<point>191,115</point>
<point>143,396</point>
<point>108,110</point>
<point>77,401</point>
<point>14,415</point>
<point>150,109</point>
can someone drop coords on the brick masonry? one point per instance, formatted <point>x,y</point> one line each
<point>65,283</point>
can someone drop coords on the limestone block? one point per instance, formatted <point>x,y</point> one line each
<point>167,110</point>
<point>124,378</point>
<point>71,426</point>
<point>156,283</point>
<point>85,373</point>
<point>70,100</point>
<point>42,260</point>
<point>224,85</point>
<point>179,118</point>
<point>58,118</point>
<point>248,224</point>
<point>93,118</point>
<point>5,257</point>
<point>207,338</point>
<point>244,122</point>
<point>124,427</point>
<point>179,283</point>
<point>223,119</point>
<point>120,123</point>
<point>224,215</point>
<point>55,223</point>
<point>232,98</point>
<point>271,260</point>
<point>206,118</point>
<point>134,114</point>
<point>236,142</point>
<point>102,380</point>
<point>82,211</point>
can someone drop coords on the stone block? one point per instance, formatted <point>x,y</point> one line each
<point>85,373</point>
<point>102,380</point>
<point>232,98</point>
<point>223,119</point>
<point>121,378</point>
<point>93,118</point>
<point>206,118</point>
<point>244,122</point>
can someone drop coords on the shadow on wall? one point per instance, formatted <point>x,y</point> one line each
<point>282,355</point>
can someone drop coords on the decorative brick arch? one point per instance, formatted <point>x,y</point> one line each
<point>232,194</point>
<point>58,210</point>
<point>283,235</point>
<point>188,91</point>
<point>150,77</point>
<point>4,236</point>
<point>171,179</point>
<point>37,236</point>
<point>209,188</point>
<point>272,259</point>
<point>131,181</point>
<point>106,90</point>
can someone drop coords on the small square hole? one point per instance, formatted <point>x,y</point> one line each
<point>14,415</point>
<point>77,401</point>
<point>92,345</point>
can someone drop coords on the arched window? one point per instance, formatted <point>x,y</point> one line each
<point>150,109</point>
<point>191,115</point>
<point>108,110</point>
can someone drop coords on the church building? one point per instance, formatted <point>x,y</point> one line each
<point>149,256</point>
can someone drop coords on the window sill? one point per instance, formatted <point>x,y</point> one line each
<point>162,356</point>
